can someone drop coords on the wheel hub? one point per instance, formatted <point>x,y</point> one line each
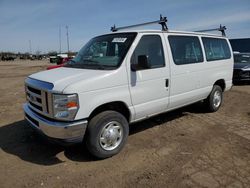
<point>217,99</point>
<point>111,135</point>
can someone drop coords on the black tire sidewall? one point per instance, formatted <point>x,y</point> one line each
<point>95,126</point>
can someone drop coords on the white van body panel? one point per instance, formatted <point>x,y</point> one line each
<point>94,87</point>
<point>194,82</point>
<point>62,78</point>
<point>149,94</point>
<point>112,87</point>
<point>143,92</point>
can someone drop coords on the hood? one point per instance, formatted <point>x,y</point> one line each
<point>241,66</point>
<point>63,77</point>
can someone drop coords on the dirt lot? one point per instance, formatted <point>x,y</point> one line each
<point>183,148</point>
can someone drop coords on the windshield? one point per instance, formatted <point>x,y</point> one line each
<point>242,58</point>
<point>104,52</point>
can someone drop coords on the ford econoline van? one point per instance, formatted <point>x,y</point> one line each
<point>124,77</point>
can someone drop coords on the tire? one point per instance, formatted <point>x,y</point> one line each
<point>107,134</point>
<point>214,100</point>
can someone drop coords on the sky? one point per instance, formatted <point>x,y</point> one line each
<point>39,21</point>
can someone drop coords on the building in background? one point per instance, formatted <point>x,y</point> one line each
<point>241,45</point>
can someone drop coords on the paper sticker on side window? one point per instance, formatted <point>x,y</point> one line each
<point>119,40</point>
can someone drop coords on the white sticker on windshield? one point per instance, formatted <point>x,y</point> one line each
<point>119,40</point>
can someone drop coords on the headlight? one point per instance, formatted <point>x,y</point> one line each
<point>65,106</point>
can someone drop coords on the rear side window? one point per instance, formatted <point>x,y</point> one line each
<point>216,49</point>
<point>185,49</point>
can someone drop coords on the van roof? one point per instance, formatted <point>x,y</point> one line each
<point>169,31</point>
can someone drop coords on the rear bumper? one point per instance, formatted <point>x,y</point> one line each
<point>67,132</point>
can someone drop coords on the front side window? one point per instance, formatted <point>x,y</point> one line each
<point>216,49</point>
<point>104,52</point>
<point>149,46</point>
<point>185,49</point>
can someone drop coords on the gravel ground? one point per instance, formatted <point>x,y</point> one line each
<point>183,148</point>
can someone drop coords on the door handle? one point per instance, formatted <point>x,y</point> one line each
<point>166,83</point>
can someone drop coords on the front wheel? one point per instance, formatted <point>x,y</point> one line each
<point>214,100</point>
<point>107,134</point>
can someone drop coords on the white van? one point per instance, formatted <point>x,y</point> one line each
<point>124,77</point>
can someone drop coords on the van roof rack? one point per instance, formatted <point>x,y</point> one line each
<point>162,22</point>
<point>221,29</point>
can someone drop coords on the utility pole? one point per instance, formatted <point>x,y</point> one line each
<point>67,33</point>
<point>60,41</point>
<point>30,47</point>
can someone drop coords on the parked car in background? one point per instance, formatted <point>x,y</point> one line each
<point>53,59</point>
<point>60,58</point>
<point>63,60</point>
<point>60,62</point>
<point>55,66</point>
<point>8,58</point>
<point>241,72</point>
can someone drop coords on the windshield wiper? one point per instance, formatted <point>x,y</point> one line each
<point>88,64</point>
<point>94,63</point>
<point>91,61</point>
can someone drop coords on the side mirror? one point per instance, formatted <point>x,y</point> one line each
<point>142,63</point>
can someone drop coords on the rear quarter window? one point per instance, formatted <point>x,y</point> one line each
<point>216,49</point>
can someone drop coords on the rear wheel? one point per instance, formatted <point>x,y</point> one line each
<point>107,134</point>
<point>214,100</point>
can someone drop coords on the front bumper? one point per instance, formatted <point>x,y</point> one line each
<point>69,132</point>
<point>241,79</point>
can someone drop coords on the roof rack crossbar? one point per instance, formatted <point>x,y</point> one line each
<point>221,29</point>
<point>162,22</point>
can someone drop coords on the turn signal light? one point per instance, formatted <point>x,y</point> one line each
<point>71,104</point>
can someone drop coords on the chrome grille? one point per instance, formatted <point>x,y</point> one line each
<point>39,100</point>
